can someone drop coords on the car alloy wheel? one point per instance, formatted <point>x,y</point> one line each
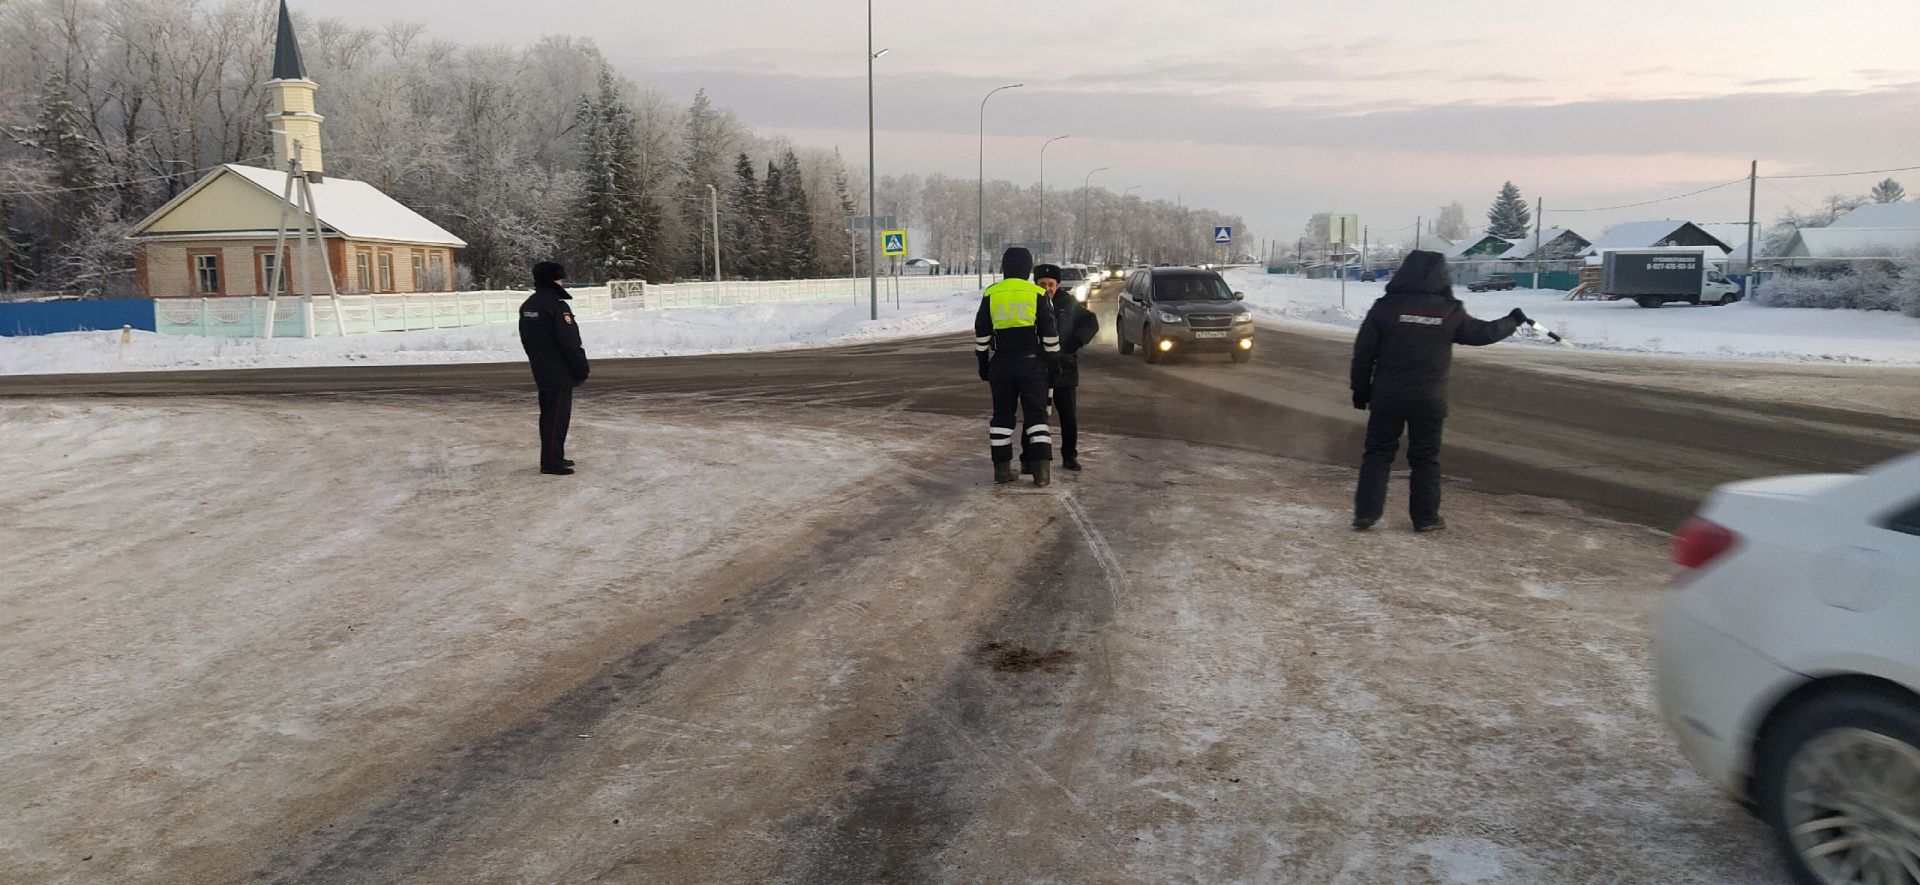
<point>1851,808</point>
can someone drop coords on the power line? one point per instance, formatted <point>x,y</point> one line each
<point>1841,174</point>
<point>1703,190</point>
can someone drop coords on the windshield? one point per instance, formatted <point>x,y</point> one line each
<point>1191,288</point>
<point>1072,274</point>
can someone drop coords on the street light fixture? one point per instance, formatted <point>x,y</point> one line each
<point>980,234</point>
<point>1086,190</point>
<point>1043,184</point>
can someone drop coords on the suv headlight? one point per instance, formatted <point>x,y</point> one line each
<point>1243,318</point>
<point>1080,291</point>
<point>1167,317</point>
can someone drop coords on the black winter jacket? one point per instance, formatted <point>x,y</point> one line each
<point>1404,352</point>
<point>1078,327</point>
<point>552,339</point>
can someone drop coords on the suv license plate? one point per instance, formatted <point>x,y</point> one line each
<point>1209,334</point>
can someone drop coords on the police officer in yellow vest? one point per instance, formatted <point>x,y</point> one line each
<point>1016,340</point>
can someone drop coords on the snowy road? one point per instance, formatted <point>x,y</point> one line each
<point>332,638</point>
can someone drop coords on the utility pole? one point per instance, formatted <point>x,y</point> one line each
<point>1366,239</point>
<point>1417,230</point>
<point>1539,219</point>
<point>873,231</point>
<point>980,222</point>
<point>1753,188</point>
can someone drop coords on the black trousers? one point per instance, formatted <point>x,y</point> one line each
<point>1019,385</point>
<point>1423,454</point>
<point>1066,409</point>
<point>556,412</point>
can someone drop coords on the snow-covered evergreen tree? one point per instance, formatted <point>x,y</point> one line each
<point>617,220</point>
<point>1889,191</point>
<point>1509,218</point>
<point>801,258</point>
<point>742,233</point>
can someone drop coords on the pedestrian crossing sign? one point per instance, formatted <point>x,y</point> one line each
<point>1222,236</point>
<point>893,242</point>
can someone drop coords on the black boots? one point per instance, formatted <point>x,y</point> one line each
<point>557,471</point>
<point>1438,524</point>
<point>1070,463</point>
<point>1003,472</point>
<point>1042,472</point>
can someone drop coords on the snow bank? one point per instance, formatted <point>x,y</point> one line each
<point>628,333</point>
<point>1739,331</point>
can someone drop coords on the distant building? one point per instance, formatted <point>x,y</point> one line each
<point>1876,230</point>
<point>217,238</point>
<point>1852,242</point>
<point>1655,235</point>
<point>1556,244</point>
<point>1487,246</point>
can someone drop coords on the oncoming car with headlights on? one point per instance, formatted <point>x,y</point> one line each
<point>1170,311</point>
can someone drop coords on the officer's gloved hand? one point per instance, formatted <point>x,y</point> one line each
<point>1519,317</point>
<point>983,367</point>
<point>1361,398</point>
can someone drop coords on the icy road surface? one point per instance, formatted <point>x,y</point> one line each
<point>329,639</point>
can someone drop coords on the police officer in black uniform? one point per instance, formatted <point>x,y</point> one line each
<point>1400,365</point>
<point>551,337</point>
<point>1015,341</point>
<point>1078,327</point>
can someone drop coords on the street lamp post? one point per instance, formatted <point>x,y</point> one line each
<point>1127,243</point>
<point>873,232</point>
<point>980,234</point>
<point>1085,191</point>
<point>1043,185</point>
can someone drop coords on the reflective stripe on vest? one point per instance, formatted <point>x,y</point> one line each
<point>1013,303</point>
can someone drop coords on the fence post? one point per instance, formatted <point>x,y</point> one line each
<point>206,319</point>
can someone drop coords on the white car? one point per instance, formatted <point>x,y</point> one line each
<point>1788,663</point>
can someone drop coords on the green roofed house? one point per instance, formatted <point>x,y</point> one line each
<point>1485,247</point>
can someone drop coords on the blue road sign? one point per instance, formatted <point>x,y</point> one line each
<point>893,242</point>
<point>1222,236</point>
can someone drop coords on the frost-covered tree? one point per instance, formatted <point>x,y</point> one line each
<point>1452,222</point>
<point>1509,218</point>
<point>1889,191</point>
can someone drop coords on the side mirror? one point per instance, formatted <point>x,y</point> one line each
<point>1239,296</point>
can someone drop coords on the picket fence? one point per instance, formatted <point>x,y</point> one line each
<point>298,317</point>
<point>634,294</point>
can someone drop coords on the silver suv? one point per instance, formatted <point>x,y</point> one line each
<point>1175,310</point>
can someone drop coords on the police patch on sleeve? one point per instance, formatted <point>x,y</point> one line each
<point>568,317</point>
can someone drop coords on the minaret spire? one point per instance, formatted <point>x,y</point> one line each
<point>292,116</point>
<point>286,50</point>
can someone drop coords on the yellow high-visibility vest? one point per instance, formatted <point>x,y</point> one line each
<point>1013,303</point>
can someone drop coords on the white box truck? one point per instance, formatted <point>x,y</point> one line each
<point>1652,277</point>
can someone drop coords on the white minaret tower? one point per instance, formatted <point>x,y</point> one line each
<point>291,117</point>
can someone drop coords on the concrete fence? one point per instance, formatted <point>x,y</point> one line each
<point>634,294</point>
<point>298,317</point>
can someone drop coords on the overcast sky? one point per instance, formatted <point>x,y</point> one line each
<point>1279,110</point>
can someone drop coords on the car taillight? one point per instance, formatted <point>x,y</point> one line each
<point>1700,542</point>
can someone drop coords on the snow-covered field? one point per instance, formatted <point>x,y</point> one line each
<point>629,333</point>
<point>1739,331</point>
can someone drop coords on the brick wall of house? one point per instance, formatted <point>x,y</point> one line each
<point>169,267</point>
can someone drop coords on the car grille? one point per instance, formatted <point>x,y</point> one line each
<point>1210,320</point>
